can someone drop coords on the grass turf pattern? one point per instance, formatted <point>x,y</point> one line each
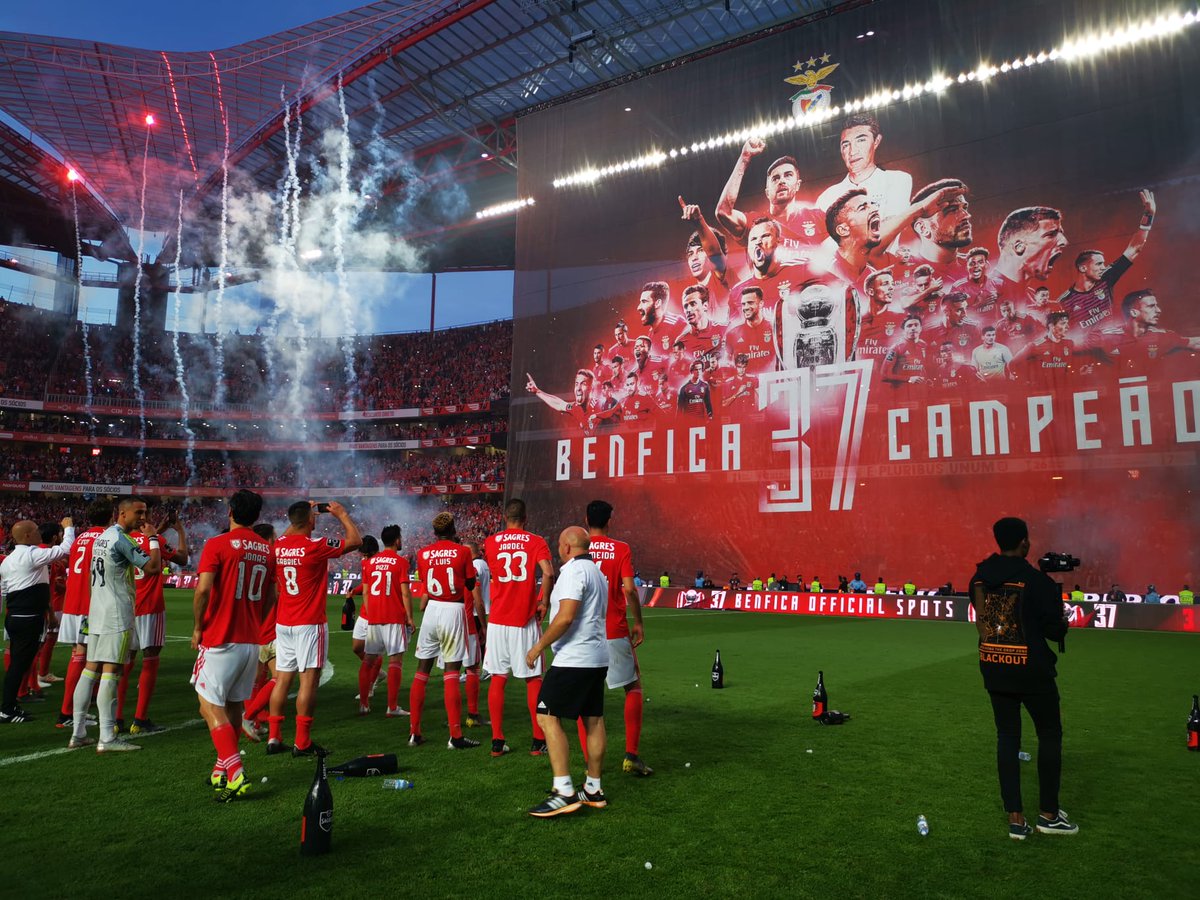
<point>754,814</point>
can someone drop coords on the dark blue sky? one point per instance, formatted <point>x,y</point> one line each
<point>210,25</point>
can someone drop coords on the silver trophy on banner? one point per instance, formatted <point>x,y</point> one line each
<point>817,325</point>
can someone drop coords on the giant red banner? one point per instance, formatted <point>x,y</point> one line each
<point>961,287</point>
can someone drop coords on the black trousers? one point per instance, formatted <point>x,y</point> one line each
<point>1047,721</point>
<point>25,636</point>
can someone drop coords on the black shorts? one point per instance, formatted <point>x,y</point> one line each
<point>571,692</point>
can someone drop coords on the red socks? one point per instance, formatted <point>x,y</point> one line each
<point>275,728</point>
<point>123,688</point>
<point>376,668</point>
<point>303,731</point>
<point>416,701</point>
<point>146,682</point>
<point>47,655</point>
<point>395,673</point>
<point>453,698</point>
<point>225,739</point>
<point>472,693</point>
<point>496,705</point>
<point>74,670</point>
<point>366,678</point>
<point>532,688</point>
<point>633,720</point>
<point>259,701</point>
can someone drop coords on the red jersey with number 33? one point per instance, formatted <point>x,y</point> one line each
<point>616,564</point>
<point>240,562</point>
<point>301,577</point>
<point>383,575</point>
<point>444,568</point>
<point>79,566</point>
<point>512,558</point>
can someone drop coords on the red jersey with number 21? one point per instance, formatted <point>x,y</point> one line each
<point>616,564</point>
<point>240,562</point>
<point>301,578</point>
<point>383,576</point>
<point>444,568</point>
<point>512,558</point>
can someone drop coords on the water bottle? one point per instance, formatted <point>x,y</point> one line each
<point>922,826</point>
<point>397,784</point>
<point>1023,756</point>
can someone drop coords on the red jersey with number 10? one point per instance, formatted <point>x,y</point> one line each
<point>512,557</point>
<point>383,575</point>
<point>616,564</point>
<point>79,578</point>
<point>301,578</point>
<point>444,568</point>
<point>240,562</point>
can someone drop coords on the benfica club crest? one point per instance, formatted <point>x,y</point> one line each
<point>1152,351</point>
<point>889,329</point>
<point>962,340</point>
<point>813,95</point>
<point>236,544</point>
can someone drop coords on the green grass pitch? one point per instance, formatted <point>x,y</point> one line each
<point>754,815</point>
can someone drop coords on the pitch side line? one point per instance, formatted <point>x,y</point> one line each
<point>13,760</point>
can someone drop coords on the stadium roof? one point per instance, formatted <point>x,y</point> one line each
<point>441,80</point>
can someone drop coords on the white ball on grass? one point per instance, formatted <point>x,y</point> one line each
<point>264,779</point>
<point>648,865</point>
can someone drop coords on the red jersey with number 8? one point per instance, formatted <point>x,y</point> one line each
<point>512,558</point>
<point>444,568</point>
<point>240,562</point>
<point>301,578</point>
<point>383,576</point>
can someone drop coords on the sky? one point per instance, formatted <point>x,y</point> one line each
<point>213,25</point>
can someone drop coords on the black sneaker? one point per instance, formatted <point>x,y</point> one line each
<point>499,748</point>
<point>1060,824</point>
<point>119,727</point>
<point>596,800</point>
<point>537,748</point>
<point>16,717</point>
<point>145,726</point>
<point>274,747</point>
<point>33,697</point>
<point>64,721</point>
<point>1019,831</point>
<point>461,743</point>
<point>556,804</point>
<point>415,740</point>
<point>313,749</point>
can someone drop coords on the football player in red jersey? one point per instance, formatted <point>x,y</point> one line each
<point>1050,356</point>
<point>1141,344</point>
<point>943,231</point>
<point>446,570</point>
<point>653,309</point>
<point>963,334</point>
<point>301,620</point>
<point>620,345</point>
<point>72,629</point>
<point>702,339</point>
<point>58,591</point>
<point>768,272</point>
<point>982,290</point>
<point>255,712</point>
<point>739,388</point>
<point>881,322</point>
<point>235,586</point>
<point>946,374</point>
<point>907,360</point>
<point>578,409</point>
<point>754,335</point>
<point>515,556</point>
<point>1031,240</point>
<point>385,589</point>
<point>150,627</point>
<point>616,564</point>
<point>707,261</point>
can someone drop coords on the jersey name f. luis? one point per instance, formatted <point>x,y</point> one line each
<point>444,568</point>
<point>383,576</point>
<point>616,564</point>
<point>301,578</point>
<point>241,564</point>
<point>513,558</point>
<point>79,573</point>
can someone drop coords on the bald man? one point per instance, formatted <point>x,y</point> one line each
<point>574,686</point>
<point>25,584</point>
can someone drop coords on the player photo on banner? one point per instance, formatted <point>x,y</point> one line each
<point>853,344</point>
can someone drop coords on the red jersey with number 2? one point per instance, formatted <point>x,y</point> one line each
<point>301,578</point>
<point>444,568</point>
<point>512,558</point>
<point>240,562</point>
<point>79,567</point>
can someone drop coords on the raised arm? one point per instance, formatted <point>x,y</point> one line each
<point>1138,241</point>
<point>708,238</point>
<point>729,218</point>
<point>556,403</point>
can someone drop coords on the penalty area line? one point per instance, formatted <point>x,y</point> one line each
<point>58,751</point>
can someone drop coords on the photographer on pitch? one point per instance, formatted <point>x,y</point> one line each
<point>1017,610</point>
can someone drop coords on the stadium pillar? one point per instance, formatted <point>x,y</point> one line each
<point>66,289</point>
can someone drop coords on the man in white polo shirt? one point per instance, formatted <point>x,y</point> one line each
<point>574,686</point>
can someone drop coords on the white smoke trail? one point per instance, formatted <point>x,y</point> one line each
<point>87,349</point>
<point>342,210</point>
<point>137,315</point>
<point>180,375</point>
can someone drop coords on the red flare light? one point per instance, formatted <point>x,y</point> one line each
<point>149,118</point>
<point>72,175</point>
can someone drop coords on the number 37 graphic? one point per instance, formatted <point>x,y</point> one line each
<point>793,393</point>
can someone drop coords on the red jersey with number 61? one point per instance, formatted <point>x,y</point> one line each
<point>240,562</point>
<point>383,575</point>
<point>512,557</point>
<point>616,564</point>
<point>444,568</point>
<point>301,578</point>
<point>79,583</point>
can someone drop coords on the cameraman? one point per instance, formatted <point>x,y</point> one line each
<point>1017,610</point>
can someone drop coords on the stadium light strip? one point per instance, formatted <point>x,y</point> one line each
<point>503,209</point>
<point>1072,50</point>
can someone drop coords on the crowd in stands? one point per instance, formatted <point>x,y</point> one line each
<point>36,462</point>
<point>442,368</point>
<point>29,337</point>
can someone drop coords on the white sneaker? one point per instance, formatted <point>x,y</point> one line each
<point>76,742</point>
<point>250,731</point>
<point>116,745</point>
<point>397,713</point>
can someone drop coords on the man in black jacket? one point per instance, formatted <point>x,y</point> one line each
<point>1017,610</point>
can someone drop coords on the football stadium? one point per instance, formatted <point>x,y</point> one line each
<point>656,447</point>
